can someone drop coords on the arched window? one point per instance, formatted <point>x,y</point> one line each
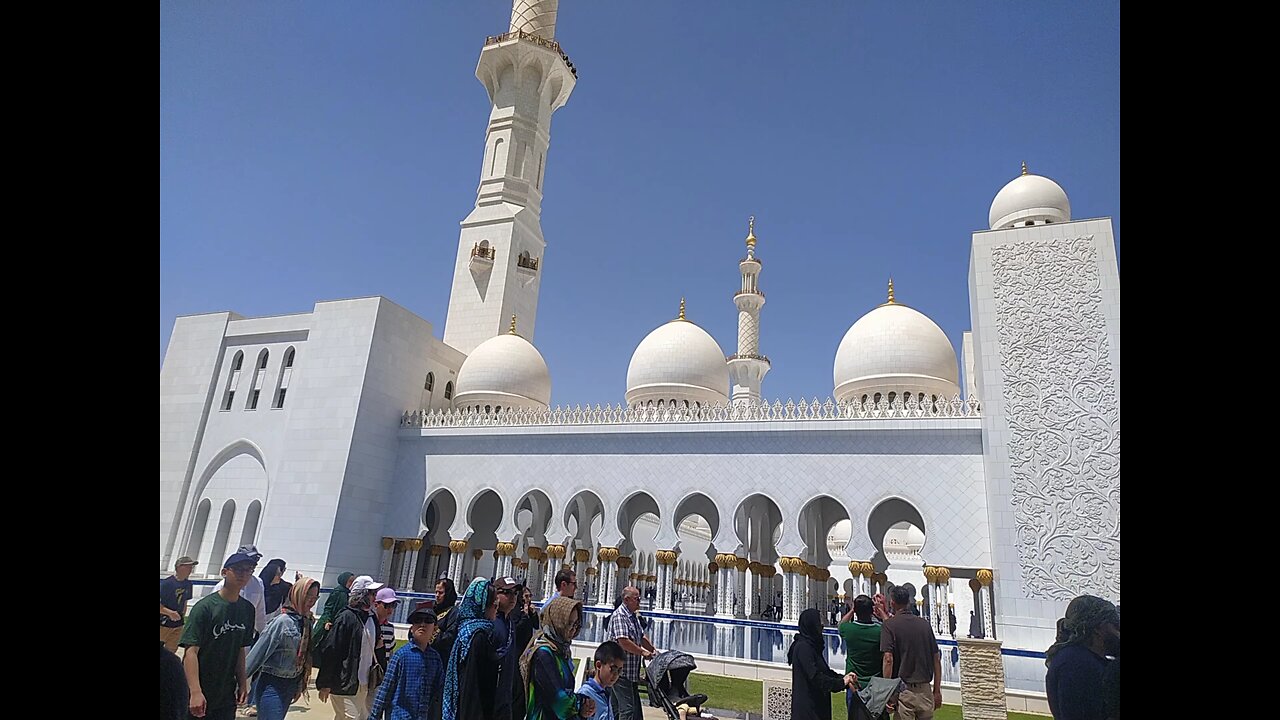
<point>196,539</point>
<point>218,554</point>
<point>258,374</point>
<point>252,515</point>
<point>448,390</point>
<point>892,397</point>
<point>488,409</point>
<point>282,381</point>
<point>430,384</point>
<point>876,399</point>
<point>233,380</point>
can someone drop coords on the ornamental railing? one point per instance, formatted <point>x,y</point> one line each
<point>956,407</point>
<point>536,40</point>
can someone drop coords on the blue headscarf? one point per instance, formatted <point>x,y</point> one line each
<point>470,619</point>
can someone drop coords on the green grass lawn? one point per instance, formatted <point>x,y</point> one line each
<point>745,695</point>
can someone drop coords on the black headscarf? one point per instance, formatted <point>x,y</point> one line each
<point>274,594</point>
<point>809,639</point>
<point>448,599</point>
<point>1084,615</point>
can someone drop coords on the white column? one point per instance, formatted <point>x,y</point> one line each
<point>740,586</point>
<point>984,596</point>
<point>753,581</point>
<point>384,567</point>
<point>415,548</point>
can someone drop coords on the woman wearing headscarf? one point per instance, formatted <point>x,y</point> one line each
<point>276,590</point>
<point>333,604</point>
<point>471,677</point>
<point>1077,662</point>
<point>812,680</point>
<point>546,666</point>
<point>281,654</point>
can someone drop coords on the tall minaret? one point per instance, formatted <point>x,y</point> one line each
<point>748,367</point>
<point>500,248</point>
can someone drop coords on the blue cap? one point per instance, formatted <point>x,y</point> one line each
<point>244,553</point>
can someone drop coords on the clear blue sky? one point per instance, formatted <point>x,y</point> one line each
<point>326,150</point>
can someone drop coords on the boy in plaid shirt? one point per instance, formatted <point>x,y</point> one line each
<point>415,675</point>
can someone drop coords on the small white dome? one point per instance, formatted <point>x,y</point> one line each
<point>895,349</point>
<point>1029,198</point>
<point>679,361</point>
<point>504,371</point>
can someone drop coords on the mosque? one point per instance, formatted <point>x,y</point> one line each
<point>352,437</point>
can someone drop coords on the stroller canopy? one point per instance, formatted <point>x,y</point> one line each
<point>679,663</point>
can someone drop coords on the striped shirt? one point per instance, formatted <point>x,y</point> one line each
<point>388,632</point>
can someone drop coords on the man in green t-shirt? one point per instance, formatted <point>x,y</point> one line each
<point>217,631</point>
<point>861,634</point>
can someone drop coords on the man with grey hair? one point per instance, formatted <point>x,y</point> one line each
<point>624,628</point>
<point>911,653</point>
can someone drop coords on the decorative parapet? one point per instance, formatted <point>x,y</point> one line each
<point>620,415</point>
<point>536,40</point>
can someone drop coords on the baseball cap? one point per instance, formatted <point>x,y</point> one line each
<point>387,596</point>
<point>425,615</point>
<point>245,553</point>
<point>364,583</point>
<point>505,583</point>
<point>185,560</point>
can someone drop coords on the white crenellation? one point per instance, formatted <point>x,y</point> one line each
<point>620,414</point>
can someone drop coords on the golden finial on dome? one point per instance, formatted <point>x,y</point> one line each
<point>751,232</point>
<point>512,330</point>
<point>1024,167</point>
<point>681,309</point>
<point>891,302</point>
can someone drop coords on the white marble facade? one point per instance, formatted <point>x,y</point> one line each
<point>368,460</point>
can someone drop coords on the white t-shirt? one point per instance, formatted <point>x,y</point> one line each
<point>368,637</point>
<point>256,594</point>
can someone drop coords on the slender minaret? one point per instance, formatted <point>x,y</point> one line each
<point>500,249</point>
<point>748,367</point>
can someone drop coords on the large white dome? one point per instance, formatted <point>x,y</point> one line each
<point>506,371</point>
<point>678,362</point>
<point>895,349</point>
<point>1029,198</point>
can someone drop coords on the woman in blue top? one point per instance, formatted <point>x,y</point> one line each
<point>547,666</point>
<point>282,652</point>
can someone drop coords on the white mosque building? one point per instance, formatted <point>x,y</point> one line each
<point>352,437</point>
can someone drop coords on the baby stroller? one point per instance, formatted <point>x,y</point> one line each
<point>667,676</point>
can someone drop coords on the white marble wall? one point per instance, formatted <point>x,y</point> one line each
<point>1046,312</point>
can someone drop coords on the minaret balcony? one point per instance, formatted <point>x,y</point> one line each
<point>481,258</point>
<point>743,356</point>
<point>536,40</point>
<point>740,293</point>
<point>524,262</point>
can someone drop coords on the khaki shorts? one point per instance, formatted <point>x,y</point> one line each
<point>170,637</point>
<point>915,702</point>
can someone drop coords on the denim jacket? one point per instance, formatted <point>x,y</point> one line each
<point>276,652</point>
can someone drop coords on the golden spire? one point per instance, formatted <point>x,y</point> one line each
<point>681,309</point>
<point>1024,167</point>
<point>891,302</point>
<point>751,233</point>
<point>512,331</point>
